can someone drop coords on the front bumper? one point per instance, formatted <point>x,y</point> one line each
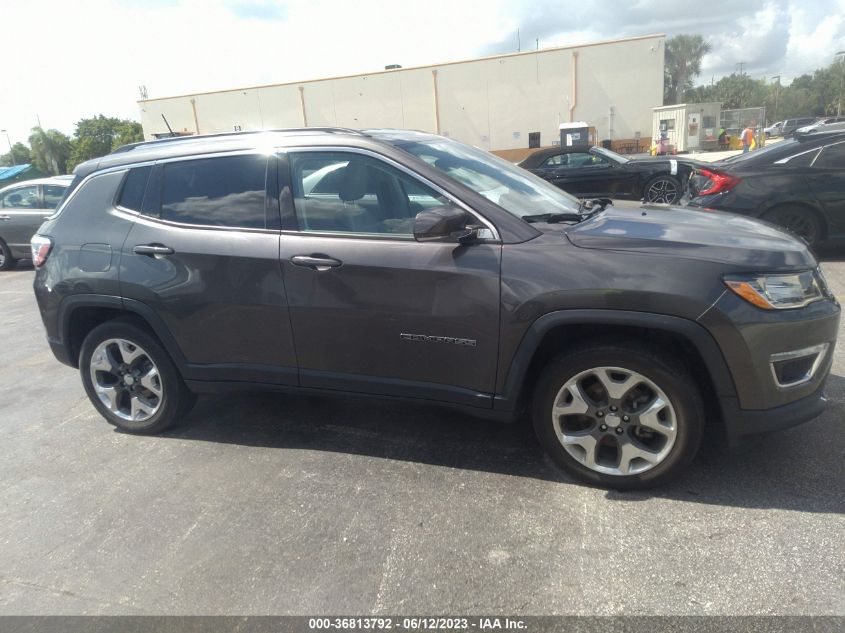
<point>751,340</point>
<point>743,423</point>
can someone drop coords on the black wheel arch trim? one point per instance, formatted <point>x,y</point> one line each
<point>73,302</point>
<point>693,332</point>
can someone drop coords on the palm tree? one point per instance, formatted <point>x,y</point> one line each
<point>50,150</point>
<point>682,64</point>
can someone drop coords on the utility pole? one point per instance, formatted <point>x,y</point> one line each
<point>740,65</point>
<point>518,42</point>
<point>11,151</point>
<point>840,57</point>
<point>777,90</point>
<point>538,43</point>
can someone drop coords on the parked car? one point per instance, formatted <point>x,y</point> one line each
<point>23,207</point>
<point>421,268</point>
<point>595,172</point>
<point>790,125</point>
<point>831,124</point>
<point>775,129</point>
<point>798,184</point>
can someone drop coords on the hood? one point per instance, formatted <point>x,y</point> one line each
<point>692,234</point>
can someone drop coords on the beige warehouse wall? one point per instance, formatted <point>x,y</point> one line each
<point>493,103</point>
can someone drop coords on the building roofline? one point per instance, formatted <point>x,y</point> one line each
<point>399,70</point>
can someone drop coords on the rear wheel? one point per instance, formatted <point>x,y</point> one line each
<point>7,262</point>
<point>618,415</point>
<point>799,220</point>
<point>663,189</point>
<point>131,380</point>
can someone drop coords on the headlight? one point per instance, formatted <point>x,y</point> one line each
<point>778,291</point>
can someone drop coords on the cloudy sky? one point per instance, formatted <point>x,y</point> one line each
<point>67,60</point>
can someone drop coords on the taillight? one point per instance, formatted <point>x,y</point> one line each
<point>719,183</point>
<point>40,246</point>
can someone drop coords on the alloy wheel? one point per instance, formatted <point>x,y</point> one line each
<point>126,380</point>
<point>614,421</point>
<point>2,255</point>
<point>663,190</point>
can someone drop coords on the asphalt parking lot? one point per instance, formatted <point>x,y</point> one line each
<point>273,504</point>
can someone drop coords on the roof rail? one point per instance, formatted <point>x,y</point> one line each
<point>194,137</point>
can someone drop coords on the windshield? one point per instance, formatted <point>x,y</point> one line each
<point>514,189</point>
<point>617,158</point>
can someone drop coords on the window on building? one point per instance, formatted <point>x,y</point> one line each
<point>533,139</point>
<point>225,191</point>
<point>342,192</point>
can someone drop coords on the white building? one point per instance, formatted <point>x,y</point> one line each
<point>498,103</point>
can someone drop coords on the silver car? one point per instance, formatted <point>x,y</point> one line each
<point>23,207</point>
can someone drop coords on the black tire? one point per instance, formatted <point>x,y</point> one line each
<point>7,262</point>
<point>798,219</point>
<point>663,189</point>
<point>665,371</point>
<point>175,401</point>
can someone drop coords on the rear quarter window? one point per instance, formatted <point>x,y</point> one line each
<point>134,186</point>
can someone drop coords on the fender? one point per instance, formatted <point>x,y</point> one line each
<point>693,332</point>
<point>72,302</point>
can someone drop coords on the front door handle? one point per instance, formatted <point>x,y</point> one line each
<point>154,250</point>
<point>5,217</point>
<point>317,262</point>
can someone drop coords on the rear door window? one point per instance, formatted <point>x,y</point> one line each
<point>53,194</point>
<point>832,157</point>
<point>222,191</point>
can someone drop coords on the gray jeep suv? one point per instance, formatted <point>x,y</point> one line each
<point>404,264</point>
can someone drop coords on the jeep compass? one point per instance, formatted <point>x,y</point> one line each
<point>408,265</point>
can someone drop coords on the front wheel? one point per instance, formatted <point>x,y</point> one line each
<point>131,380</point>
<point>663,189</point>
<point>618,415</point>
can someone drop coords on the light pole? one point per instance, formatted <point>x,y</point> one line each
<point>11,153</point>
<point>777,90</point>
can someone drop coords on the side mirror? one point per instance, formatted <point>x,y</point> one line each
<point>446,223</point>
<point>601,203</point>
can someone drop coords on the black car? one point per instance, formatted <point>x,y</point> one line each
<point>798,183</point>
<point>402,264</point>
<point>596,172</point>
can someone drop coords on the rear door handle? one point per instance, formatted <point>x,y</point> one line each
<point>5,217</point>
<point>152,249</point>
<point>317,262</point>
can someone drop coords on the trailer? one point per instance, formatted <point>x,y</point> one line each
<point>687,127</point>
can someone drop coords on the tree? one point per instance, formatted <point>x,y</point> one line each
<point>50,150</point>
<point>682,64</point>
<point>20,153</point>
<point>100,135</point>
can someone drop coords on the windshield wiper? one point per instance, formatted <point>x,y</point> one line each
<point>552,218</point>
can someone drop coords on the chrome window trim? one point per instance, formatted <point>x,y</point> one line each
<point>784,161</point>
<point>393,163</point>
